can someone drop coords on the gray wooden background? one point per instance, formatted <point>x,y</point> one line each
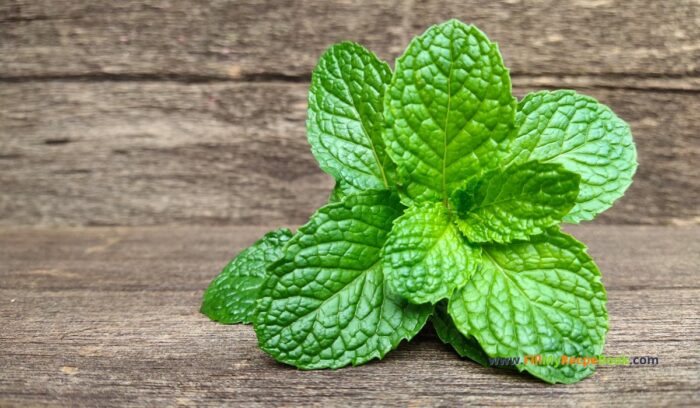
<point>180,112</point>
<point>138,113</point>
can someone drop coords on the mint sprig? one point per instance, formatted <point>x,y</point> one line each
<point>448,200</point>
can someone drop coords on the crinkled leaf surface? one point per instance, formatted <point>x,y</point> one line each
<point>447,332</point>
<point>510,204</point>
<point>325,304</point>
<point>585,137</point>
<point>425,257</point>
<point>339,192</point>
<point>542,297</point>
<point>232,295</point>
<point>448,107</point>
<point>345,116</point>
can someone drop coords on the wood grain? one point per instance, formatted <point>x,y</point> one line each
<point>139,153</point>
<point>144,112</point>
<point>243,39</point>
<point>109,316</point>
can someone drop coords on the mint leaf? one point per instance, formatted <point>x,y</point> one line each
<point>447,332</point>
<point>325,304</point>
<point>448,107</point>
<point>542,297</point>
<point>345,119</point>
<point>339,192</point>
<point>231,296</point>
<point>425,258</point>
<point>486,181</point>
<point>585,137</point>
<point>523,200</point>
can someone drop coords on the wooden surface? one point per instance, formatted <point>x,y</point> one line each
<point>109,316</point>
<point>169,112</point>
<point>115,115</point>
<point>247,39</point>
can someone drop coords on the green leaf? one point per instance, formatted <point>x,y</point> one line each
<point>232,295</point>
<point>585,137</point>
<point>345,116</point>
<point>515,203</point>
<point>340,191</point>
<point>325,304</point>
<point>542,297</point>
<point>447,332</point>
<point>425,257</point>
<point>448,107</point>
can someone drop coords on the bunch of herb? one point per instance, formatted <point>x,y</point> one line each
<point>448,200</point>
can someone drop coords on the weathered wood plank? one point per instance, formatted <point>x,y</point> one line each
<point>239,39</point>
<point>639,37</point>
<point>61,257</point>
<point>108,316</point>
<point>135,153</point>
